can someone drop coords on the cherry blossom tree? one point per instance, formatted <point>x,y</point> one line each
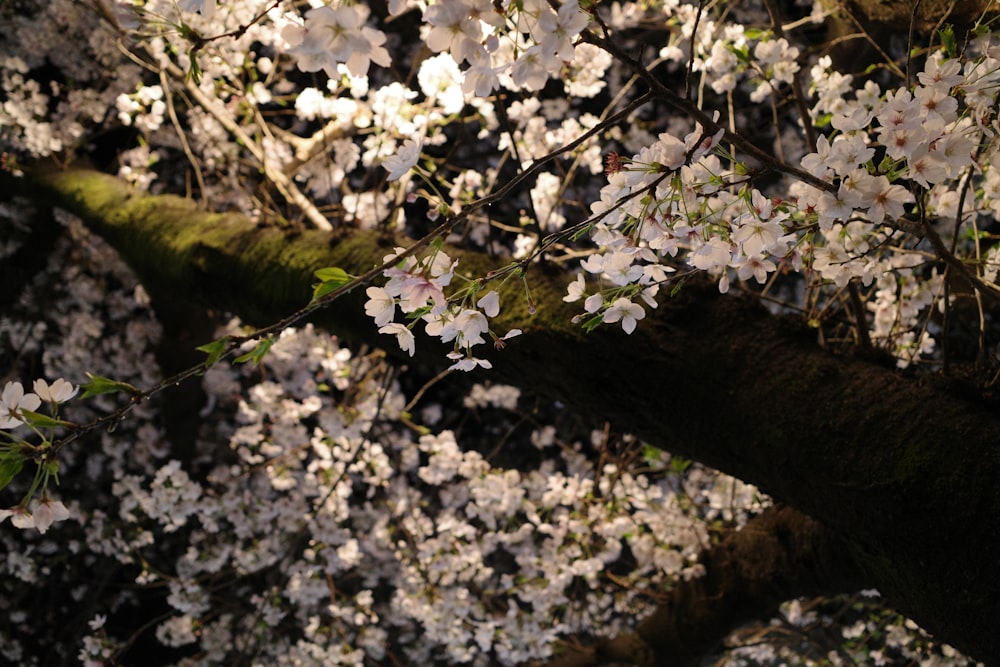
<point>670,227</point>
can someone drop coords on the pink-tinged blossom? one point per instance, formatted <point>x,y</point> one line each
<point>380,306</point>
<point>816,163</point>
<point>669,151</point>
<point>453,29</point>
<point>46,511</point>
<point>883,198</point>
<point>699,142</point>
<point>714,254</point>
<point>955,150</point>
<point>334,35</point>
<point>13,401</point>
<point>848,153</point>
<point>852,119</point>
<point>756,266</point>
<point>940,73</point>
<point>925,168</point>
<point>413,288</point>
<point>20,517</point>
<point>560,29</point>
<point>417,291</point>
<point>530,70</point>
<point>900,111</point>
<point>619,268</point>
<point>901,143</point>
<point>838,207</point>
<point>756,236</point>
<point>938,106</point>
<point>625,311</point>
<point>481,78</point>
<point>466,329</point>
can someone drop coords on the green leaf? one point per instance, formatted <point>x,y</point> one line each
<point>823,120</point>
<point>583,231</point>
<point>947,36</point>
<point>332,273</point>
<point>256,354</point>
<point>679,465</point>
<point>102,385</point>
<point>651,454</point>
<point>10,465</point>
<point>593,323</point>
<point>214,350</point>
<point>39,420</point>
<point>332,278</point>
<point>194,72</point>
<point>677,288</point>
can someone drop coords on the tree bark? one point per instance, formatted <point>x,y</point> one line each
<point>902,470</point>
<point>779,555</point>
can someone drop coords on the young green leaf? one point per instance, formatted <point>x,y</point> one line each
<point>39,420</point>
<point>102,385</point>
<point>331,279</point>
<point>214,350</point>
<point>677,288</point>
<point>256,354</point>
<point>10,465</point>
<point>947,36</point>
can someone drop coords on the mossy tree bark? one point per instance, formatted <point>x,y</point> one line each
<point>902,470</point>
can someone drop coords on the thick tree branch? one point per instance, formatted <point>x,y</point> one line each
<point>779,555</point>
<point>904,470</point>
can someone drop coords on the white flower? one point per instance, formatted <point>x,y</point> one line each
<point>626,311</point>
<point>380,306</point>
<point>19,516</point>
<point>716,253</point>
<point>467,328</point>
<point>404,336</point>
<point>59,391</point>
<point>467,364</point>
<point>205,7</point>
<point>13,401</point>
<point>576,289</point>
<point>331,36</point>
<point>490,303</point>
<point>397,165</point>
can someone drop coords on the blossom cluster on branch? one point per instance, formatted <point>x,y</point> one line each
<point>326,517</point>
<point>318,520</point>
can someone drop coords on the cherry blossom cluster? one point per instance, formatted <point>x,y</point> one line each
<point>669,205</point>
<point>417,287</point>
<point>308,523</point>
<point>17,409</point>
<point>726,54</point>
<point>296,535</point>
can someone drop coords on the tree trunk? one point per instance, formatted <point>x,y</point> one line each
<point>779,555</point>
<point>903,470</point>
